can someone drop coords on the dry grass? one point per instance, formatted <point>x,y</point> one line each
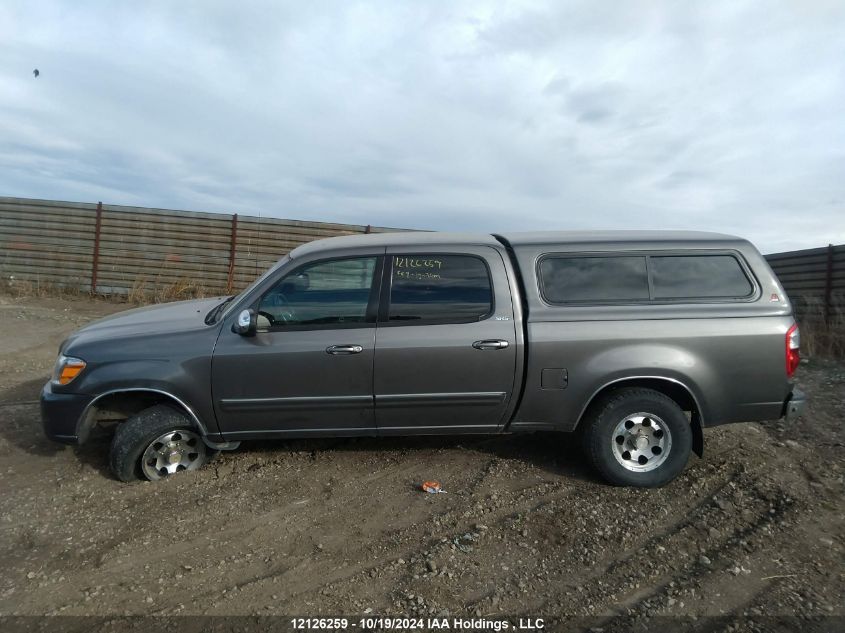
<point>142,292</point>
<point>21,288</point>
<point>820,337</point>
<point>153,291</point>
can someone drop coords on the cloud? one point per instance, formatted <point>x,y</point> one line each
<point>721,116</point>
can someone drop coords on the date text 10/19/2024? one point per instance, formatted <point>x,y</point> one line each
<point>418,624</point>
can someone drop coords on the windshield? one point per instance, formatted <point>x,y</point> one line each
<point>233,301</point>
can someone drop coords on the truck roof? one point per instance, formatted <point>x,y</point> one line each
<point>400,238</point>
<point>431,238</point>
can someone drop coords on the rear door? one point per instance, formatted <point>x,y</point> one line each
<point>446,346</point>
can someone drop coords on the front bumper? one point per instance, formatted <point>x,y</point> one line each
<point>794,406</point>
<point>60,413</point>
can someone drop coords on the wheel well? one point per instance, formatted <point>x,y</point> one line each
<point>674,390</point>
<point>113,408</point>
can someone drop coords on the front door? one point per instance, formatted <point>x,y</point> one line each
<point>308,371</point>
<point>446,346</point>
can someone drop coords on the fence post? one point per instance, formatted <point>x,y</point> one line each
<point>828,286</point>
<point>95,260</point>
<point>233,245</point>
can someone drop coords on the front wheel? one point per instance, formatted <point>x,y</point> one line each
<point>638,437</point>
<point>156,443</point>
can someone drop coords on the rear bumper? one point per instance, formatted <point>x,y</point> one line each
<point>60,413</point>
<point>794,406</point>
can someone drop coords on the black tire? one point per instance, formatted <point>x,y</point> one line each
<point>616,417</point>
<point>133,437</point>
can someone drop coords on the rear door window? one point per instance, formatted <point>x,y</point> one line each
<point>439,288</point>
<point>698,277</point>
<point>595,279</point>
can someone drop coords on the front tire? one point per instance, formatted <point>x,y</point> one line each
<point>156,443</point>
<point>638,437</point>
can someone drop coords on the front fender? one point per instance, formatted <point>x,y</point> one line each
<point>186,383</point>
<point>88,419</point>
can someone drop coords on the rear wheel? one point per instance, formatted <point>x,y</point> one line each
<point>156,443</point>
<point>638,437</point>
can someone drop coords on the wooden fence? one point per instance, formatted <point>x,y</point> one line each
<point>110,249</point>
<point>814,279</point>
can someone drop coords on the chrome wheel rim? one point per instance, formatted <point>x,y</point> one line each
<point>641,442</point>
<point>171,453</point>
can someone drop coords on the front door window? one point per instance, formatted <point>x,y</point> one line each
<point>325,294</point>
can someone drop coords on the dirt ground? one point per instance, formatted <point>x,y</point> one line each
<point>338,526</point>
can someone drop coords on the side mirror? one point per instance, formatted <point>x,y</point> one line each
<point>247,323</point>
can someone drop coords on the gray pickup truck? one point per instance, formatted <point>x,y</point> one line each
<point>633,342</point>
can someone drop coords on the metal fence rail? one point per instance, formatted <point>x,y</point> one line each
<point>110,249</point>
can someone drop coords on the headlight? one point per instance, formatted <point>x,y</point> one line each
<point>67,368</point>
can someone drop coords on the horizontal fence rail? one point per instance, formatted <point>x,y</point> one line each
<point>110,249</point>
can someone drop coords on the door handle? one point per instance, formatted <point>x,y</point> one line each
<point>339,350</point>
<point>491,344</point>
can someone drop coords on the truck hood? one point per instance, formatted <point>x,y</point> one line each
<point>150,320</point>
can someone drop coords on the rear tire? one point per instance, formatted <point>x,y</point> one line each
<point>156,443</point>
<point>637,437</point>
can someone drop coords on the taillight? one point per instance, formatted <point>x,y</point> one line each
<point>793,345</point>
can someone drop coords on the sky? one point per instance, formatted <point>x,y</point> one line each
<point>726,116</point>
